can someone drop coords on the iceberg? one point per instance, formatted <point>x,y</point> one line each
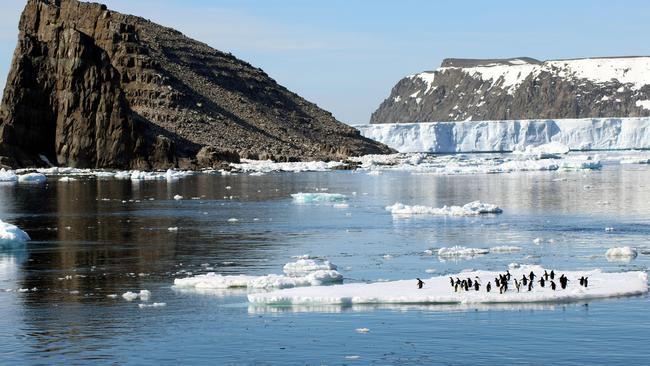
<point>471,209</point>
<point>506,136</point>
<point>303,272</point>
<point>623,254</point>
<point>7,176</point>
<point>437,290</point>
<point>33,178</point>
<point>11,235</point>
<point>318,197</point>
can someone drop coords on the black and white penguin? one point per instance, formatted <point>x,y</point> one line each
<point>541,281</point>
<point>524,280</point>
<point>476,286</point>
<point>452,281</point>
<point>582,281</point>
<point>469,282</point>
<point>530,285</point>
<point>420,283</point>
<point>552,274</point>
<point>586,281</point>
<point>508,275</point>
<point>531,276</point>
<point>517,285</point>
<point>552,285</point>
<point>546,275</point>
<point>488,287</point>
<point>496,282</point>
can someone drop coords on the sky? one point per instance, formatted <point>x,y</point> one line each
<point>346,55</point>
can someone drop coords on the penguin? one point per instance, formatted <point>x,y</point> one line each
<point>469,282</point>
<point>496,281</point>
<point>532,276</point>
<point>505,286</point>
<point>488,287</point>
<point>563,282</point>
<point>456,287</point>
<point>508,274</point>
<point>452,281</point>
<point>582,281</point>
<point>586,281</point>
<point>466,286</point>
<point>517,284</point>
<point>476,286</point>
<point>420,283</point>
<point>552,274</point>
<point>546,275</point>
<point>524,280</point>
<point>541,281</point>
<point>552,285</point>
<point>530,285</point>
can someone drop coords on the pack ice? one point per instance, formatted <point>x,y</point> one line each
<point>470,209</point>
<point>437,290</point>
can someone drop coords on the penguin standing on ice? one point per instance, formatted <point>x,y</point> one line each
<point>582,281</point>
<point>524,280</point>
<point>469,282</point>
<point>541,281</point>
<point>452,281</point>
<point>517,285</point>
<point>546,275</point>
<point>488,287</point>
<point>552,285</point>
<point>586,281</point>
<point>508,275</point>
<point>552,275</point>
<point>477,286</point>
<point>496,282</point>
<point>532,276</point>
<point>530,285</point>
<point>420,283</point>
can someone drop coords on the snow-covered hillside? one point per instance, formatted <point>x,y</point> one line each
<point>501,136</point>
<point>521,88</point>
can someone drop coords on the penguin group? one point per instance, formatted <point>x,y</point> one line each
<point>502,282</point>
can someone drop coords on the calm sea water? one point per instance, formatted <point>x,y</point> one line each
<point>85,231</point>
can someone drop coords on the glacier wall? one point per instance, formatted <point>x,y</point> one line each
<point>505,136</point>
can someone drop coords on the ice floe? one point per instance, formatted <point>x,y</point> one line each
<point>11,235</point>
<point>461,252</point>
<point>33,178</point>
<point>143,295</point>
<point>624,254</point>
<point>437,290</point>
<point>303,272</point>
<point>470,209</point>
<point>268,166</point>
<point>505,249</point>
<point>318,197</point>
<point>7,176</point>
<point>153,305</point>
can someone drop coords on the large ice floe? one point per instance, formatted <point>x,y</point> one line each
<point>420,163</point>
<point>437,290</point>
<point>11,235</point>
<point>303,272</point>
<point>268,166</point>
<point>470,209</point>
<point>305,198</point>
<point>460,252</point>
<point>504,136</point>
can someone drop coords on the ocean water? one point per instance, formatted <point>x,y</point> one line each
<point>92,238</point>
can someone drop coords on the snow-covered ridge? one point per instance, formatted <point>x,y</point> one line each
<point>505,136</point>
<point>437,290</point>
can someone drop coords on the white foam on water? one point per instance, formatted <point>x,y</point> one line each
<point>437,290</point>
<point>470,209</point>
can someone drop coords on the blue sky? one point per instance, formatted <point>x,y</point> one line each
<point>346,55</point>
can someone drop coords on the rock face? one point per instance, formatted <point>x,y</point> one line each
<point>94,88</point>
<point>521,88</point>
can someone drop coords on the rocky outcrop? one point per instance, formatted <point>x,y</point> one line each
<point>93,88</point>
<point>521,88</point>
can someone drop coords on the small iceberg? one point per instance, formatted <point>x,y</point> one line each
<point>459,252</point>
<point>471,209</point>
<point>32,178</point>
<point>437,290</point>
<point>11,235</point>
<point>304,272</point>
<point>318,197</point>
<point>7,176</point>
<point>621,254</point>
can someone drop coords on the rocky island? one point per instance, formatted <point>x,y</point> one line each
<point>93,88</point>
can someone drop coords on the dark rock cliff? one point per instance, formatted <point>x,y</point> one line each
<point>94,88</point>
<point>521,88</point>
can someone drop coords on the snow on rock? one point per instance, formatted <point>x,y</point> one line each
<point>11,235</point>
<point>512,135</point>
<point>621,254</point>
<point>470,209</point>
<point>437,290</point>
<point>318,197</point>
<point>7,176</point>
<point>32,178</point>
<point>303,272</point>
<point>460,252</point>
<point>268,166</point>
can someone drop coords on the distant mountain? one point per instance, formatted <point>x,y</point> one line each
<point>93,88</point>
<point>521,88</point>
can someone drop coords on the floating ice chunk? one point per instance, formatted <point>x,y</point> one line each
<point>7,176</point>
<point>173,228</point>
<point>33,178</point>
<point>609,229</point>
<point>317,197</point>
<point>304,266</point>
<point>154,305</point>
<point>461,252</point>
<point>232,219</point>
<point>505,249</point>
<point>143,295</point>
<point>362,330</point>
<point>545,151</point>
<point>438,291</point>
<point>67,179</point>
<point>624,254</point>
<point>430,270</point>
<point>470,209</point>
<point>178,197</point>
<point>11,235</point>
<point>216,281</point>
<point>267,166</point>
<point>537,241</point>
<point>512,266</point>
<point>374,172</point>
<point>112,296</point>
